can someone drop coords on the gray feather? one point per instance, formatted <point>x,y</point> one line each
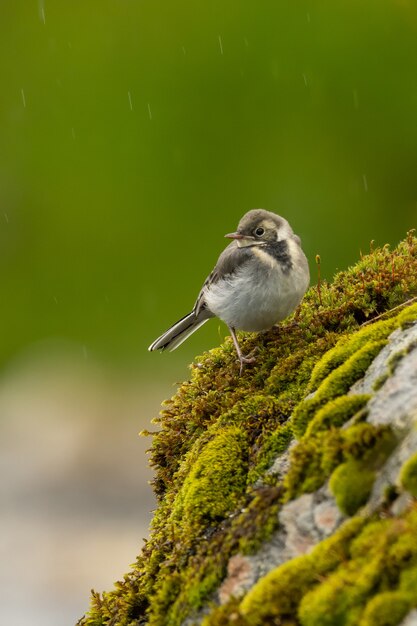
<point>179,332</point>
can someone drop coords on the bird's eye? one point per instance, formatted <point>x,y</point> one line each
<point>259,232</point>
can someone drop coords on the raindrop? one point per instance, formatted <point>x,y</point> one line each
<point>149,111</point>
<point>246,42</point>
<point>6,217</point>
<point>183,50</point>
<point>305,80</point>
<point>42,11</point>
<point>55,300</point>
<point>85,352</point>
<point>130,100</point>
<point>365,182</point>
<point>221,45</point>
<point>23,97</point>
<point>73,133</point>
<point>308,17</point>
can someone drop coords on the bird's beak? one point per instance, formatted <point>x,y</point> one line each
<point>242,240</point>
<point>234,236</point>
<point>239,236</point>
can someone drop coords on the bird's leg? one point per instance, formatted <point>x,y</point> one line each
<point>242,359</point>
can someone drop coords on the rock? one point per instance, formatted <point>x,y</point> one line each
<point>287,494</point>
<point>411,619</point>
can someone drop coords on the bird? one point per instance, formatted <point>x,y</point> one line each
<point>259,279</point>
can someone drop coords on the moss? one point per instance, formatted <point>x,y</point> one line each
<point>386,609</point>
<point>365,448</point>
<point>335,602</point>
<point>257,521</point>
<point>346,347</point>
<point>317,455</point>
<point>408,583</point>
<point>408,315</point>
<point>408,475</point>
<point>337,383</point>
<point>277,595</point>
<point>368,443</point>
<point>351,483</point>
<point>328,554</point>
<point>380,381</point>
<point>377,557</point>
<point>225,615</point>
<point>396,358</point>
<point>336,412</point>
<point>221,432</point>
<point>311,462</point>
<point>220,468</point>
<point>280,592</point>
<point>273,446</point>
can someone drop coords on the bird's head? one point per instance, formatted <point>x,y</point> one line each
<point>259,227</point>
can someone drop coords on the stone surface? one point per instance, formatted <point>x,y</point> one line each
<point>398,341</point>
<point>395,403</point>
<point>411,619</point>
<point>240,577</point>
<point>304,522</point>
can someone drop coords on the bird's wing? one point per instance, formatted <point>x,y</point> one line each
<point>229,261</point>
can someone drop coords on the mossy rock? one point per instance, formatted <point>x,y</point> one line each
<point>217,495</point>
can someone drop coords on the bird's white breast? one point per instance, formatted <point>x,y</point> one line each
<point>259,294</point>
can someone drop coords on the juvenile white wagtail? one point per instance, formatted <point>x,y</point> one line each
<point>259,279</point>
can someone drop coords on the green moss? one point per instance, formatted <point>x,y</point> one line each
<point>408,315</point>
<point>346,347</point>
<point>225,615</point>
<point>273,446</point>
<point>351,483</point>
<point>376,561</point>
<point>336,412</point>
<point>380,381</point>
<point>257,521</point>
<point>277,595</point>
<point>368,443</point>
<point>328,554</point>
<point>408,475</point>
<point>408,583</point>
<point>365,448</point>
<point>386,609</point>
<point>221,468</point>
<point>317,455</point>
<point>335,601</point>
<point>311,462</point>
<point>337,383</point>
<point>280,592</point>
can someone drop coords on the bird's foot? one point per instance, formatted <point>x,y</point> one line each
<point>242,359</point>
<point>246,360</point>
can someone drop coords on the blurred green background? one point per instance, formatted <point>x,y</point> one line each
<point>133,135</point>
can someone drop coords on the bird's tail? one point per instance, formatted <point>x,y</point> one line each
<point>179,332</point>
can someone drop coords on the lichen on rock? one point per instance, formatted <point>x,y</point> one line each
<point>288,494</point>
